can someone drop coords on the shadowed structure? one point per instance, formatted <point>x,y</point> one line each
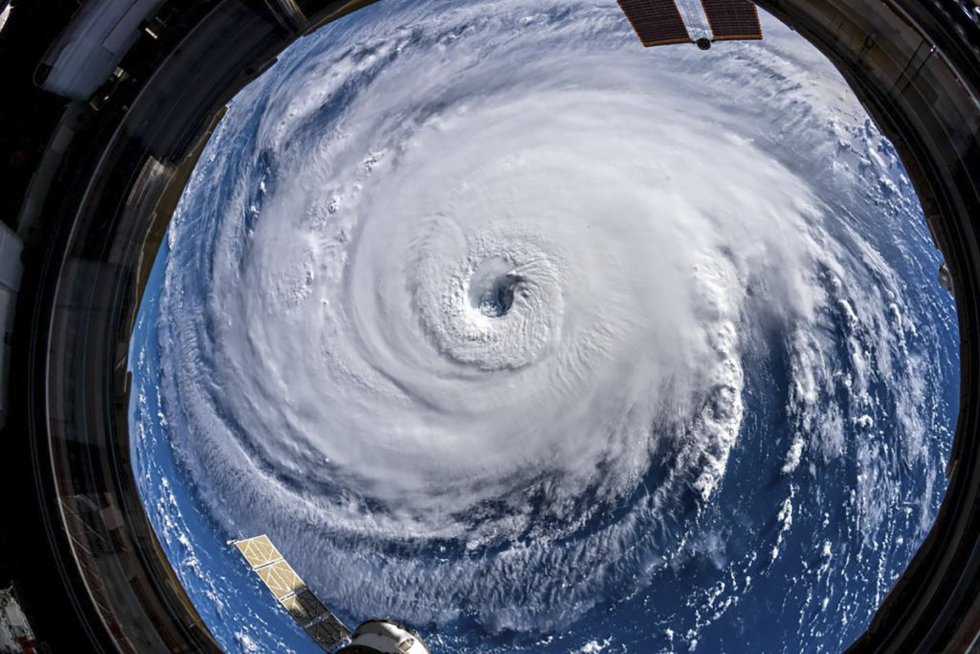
<point>656,22</point>
<point>732,20</point>
<point>660,22</point>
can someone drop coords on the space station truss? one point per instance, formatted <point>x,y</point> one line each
<point>290,590</point>
<point>661,22</point>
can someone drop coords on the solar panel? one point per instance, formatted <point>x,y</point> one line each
<point>304,607</point>
<point>328,632</point>
<point>732,19</point>
<point>258,551</point>
<point>280,578</point>
<point>656,22</point>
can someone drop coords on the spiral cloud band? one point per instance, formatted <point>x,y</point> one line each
<point>470,300</point>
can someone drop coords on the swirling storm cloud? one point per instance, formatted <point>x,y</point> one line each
<point>504,326</point>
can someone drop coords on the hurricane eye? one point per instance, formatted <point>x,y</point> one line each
<point>497,297</point>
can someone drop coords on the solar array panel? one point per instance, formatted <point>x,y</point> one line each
<point>280,578</point>
<point>258,551</point>
<point>304,606</point>
<point>328,632</point>
<point>656,22</point>
<point>732,19</point>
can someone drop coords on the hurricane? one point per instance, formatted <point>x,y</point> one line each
<point>499,323</point>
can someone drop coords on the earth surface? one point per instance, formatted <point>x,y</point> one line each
<point>506,327</point>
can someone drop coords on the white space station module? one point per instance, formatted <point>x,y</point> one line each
<point>376,636</point>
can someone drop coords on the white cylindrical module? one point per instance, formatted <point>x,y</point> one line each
<point>384,637</point>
